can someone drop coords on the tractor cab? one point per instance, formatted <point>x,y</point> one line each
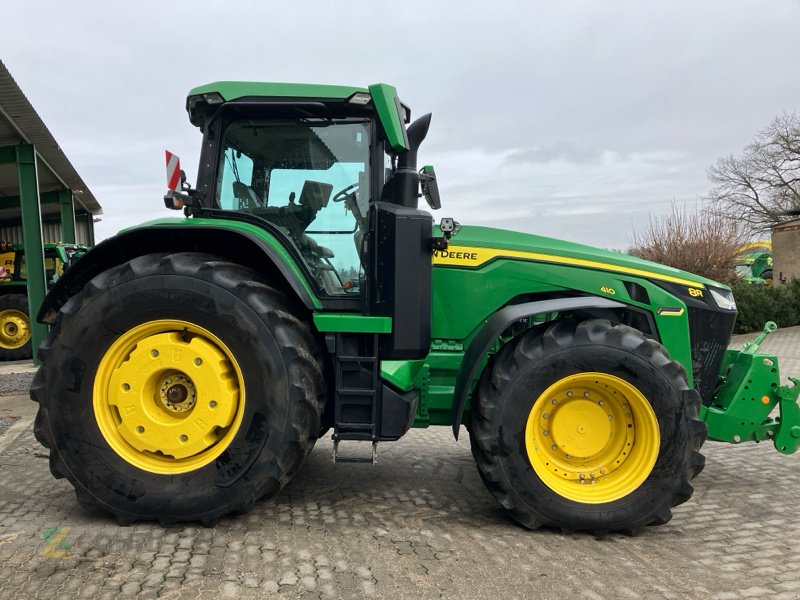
<point>334,177</point>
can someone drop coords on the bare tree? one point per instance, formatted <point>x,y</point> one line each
<point>700,241</point>
<point>760,186</point>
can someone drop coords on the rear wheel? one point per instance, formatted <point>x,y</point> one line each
<point>586,426</point>
<point>15,327</point>
<point>178,388</point>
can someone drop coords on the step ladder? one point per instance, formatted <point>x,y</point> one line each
<point>357,394</point>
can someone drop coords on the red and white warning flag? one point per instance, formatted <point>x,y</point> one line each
<point>173,171</point>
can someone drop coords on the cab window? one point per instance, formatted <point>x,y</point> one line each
<point>310,179</point>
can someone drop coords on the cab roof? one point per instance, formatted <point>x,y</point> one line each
<point>392,113</point>
<point>231,90</point>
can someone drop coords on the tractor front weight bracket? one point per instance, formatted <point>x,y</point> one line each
<point>749,392</point>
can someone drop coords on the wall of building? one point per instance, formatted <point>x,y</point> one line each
<point>51,232</point>
<point>786,251</point>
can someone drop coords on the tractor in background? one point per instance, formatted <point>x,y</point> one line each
<point>14,319</point>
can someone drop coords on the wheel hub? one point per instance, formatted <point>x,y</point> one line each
<point>14,329</point>
<point>595,429</point>
<point>177,393</point>
<point>168,401</point>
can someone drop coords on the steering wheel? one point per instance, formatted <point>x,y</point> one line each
<point>345,193</point>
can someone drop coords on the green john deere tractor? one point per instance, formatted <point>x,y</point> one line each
<point>193,363</point>
<point>15,326</point>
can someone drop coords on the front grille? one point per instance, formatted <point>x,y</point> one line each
<point>710,332</point>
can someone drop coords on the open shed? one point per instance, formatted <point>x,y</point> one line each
<point>42,197</point>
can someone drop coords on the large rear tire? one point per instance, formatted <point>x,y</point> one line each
<point>178,388</point>
<point>586,426</point>
<point>15,327</point>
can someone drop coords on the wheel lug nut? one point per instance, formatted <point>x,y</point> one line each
<point>545,432</point>
<point>553,447</point>
<point>140,429</point>
<point>585,394</point>
<point>591,474</point>
<point>545,416</point>
<point>610,417</point>
<point>213,404</point>
<point>153,353</point>
<point>581,476</point>
<point>602,471</point>
<point>554,401</point>
<point>198,361</point>
<point>184,438</point>
<point>569,393</point>
<point>126,386</point>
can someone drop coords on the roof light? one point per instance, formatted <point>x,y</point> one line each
<point>360,98</point>
<point>213,98</point>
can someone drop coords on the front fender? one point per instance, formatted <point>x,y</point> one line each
<point>495,325</point>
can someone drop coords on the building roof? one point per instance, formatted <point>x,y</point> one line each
<point>20,124</point>
<point>790,225</point>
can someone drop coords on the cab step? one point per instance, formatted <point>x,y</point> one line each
<point>355,459</point>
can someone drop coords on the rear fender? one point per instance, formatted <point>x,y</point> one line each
<point>259,251</point>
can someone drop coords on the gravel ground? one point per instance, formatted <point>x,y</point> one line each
<point>419,524</point>
<point>12,384</point>
<point>6,422</point>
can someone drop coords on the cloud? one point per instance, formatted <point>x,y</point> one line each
<point>577,120</point>
<point>558,151</point>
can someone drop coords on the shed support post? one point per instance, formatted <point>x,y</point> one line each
<point>90,229</point>
<point>32,239</point>
<point>67,216</point>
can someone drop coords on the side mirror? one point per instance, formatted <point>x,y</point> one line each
<point>430,189</point>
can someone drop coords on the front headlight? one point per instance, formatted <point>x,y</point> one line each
<point>723,298</point>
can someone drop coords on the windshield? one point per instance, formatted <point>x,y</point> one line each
<point>309,178</point>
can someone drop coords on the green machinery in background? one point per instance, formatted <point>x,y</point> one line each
<point>193,363</point>
<point>15,325</point>
<point>754,263</point>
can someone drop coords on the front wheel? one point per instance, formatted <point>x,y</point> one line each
<point>586,426</point>
<point>178,388</point>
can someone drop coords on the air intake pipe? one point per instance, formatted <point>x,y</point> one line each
<point>403,187</point>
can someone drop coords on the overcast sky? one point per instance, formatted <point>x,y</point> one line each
<point>577,120</point>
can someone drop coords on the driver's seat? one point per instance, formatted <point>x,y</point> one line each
<point>246,196</point>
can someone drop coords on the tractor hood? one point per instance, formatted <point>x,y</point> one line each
<point>475,246</point>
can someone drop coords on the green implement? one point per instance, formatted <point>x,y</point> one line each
<point>749,392</point>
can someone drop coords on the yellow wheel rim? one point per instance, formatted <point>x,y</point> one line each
<point>168,397</point>
<point>15,329</point>
<point>592,438</point>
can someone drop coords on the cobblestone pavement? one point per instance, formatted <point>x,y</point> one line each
<point>419,524</point>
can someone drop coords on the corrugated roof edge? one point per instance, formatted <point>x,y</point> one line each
<point>32,130</point>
